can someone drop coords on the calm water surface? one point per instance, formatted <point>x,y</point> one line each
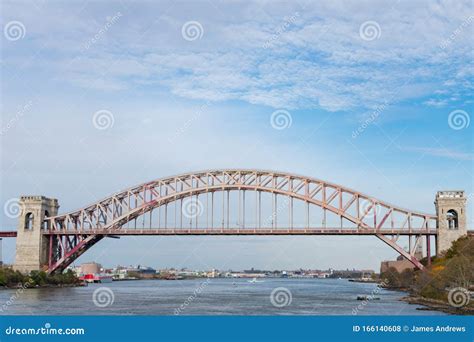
<point>213,297</point>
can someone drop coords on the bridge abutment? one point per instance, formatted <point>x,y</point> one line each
<point>31,245</point>
<point>451,224</point>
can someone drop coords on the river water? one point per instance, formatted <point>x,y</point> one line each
<point>210,297</point>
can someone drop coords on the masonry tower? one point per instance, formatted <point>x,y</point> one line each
<point>31,245</point>
<point>451,212</point>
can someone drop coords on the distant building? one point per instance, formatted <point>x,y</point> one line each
<point>135,271</point>
<point>401,263</point>
<point>91,268</point>
<point>144,270</point>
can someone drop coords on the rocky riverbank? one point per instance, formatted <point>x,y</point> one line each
<point>438,305</point>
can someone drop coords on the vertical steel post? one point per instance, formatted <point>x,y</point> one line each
<point>276,211</point>
<point>257,206</point>
<point>50,252</point>
<point>259,209</point>
<point>428,249</point>
<point>239,215</point>
<point>243,210</point>
<point>307,215</point>
<point>228,208</point>
<point>223,209</point>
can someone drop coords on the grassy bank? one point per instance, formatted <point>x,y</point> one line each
<point>436,287</point>
<point>14,279</point>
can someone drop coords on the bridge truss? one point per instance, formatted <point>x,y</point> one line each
<point>235,202</point>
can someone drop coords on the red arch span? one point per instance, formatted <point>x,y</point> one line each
<point>111,213</point>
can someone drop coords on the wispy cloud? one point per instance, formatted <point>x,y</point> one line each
<point>442,152</point>
<point>317,57</point>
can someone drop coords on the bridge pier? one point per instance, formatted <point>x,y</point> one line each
<point>31,244</point>
<point>451,222</point>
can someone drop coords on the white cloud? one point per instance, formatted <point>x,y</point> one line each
<point>318,59</point>
<point>443,153</point>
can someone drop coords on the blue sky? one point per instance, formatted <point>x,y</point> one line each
<point>379,95</point>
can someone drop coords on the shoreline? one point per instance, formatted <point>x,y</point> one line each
<point>430,304</point>
<point>26,287</point>
<point>436,305</point>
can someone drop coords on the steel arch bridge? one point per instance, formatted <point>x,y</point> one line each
<point>206,200</point>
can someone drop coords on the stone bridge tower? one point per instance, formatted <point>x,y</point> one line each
<point>31,246</point>
<point>451,212</point>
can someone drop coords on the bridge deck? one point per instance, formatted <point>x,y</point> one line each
<point>242,231</point>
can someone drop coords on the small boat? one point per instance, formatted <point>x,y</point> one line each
<point>254,280</point>
<point>96,278</point>
<point>367,298</point>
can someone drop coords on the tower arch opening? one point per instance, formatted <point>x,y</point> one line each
<point>45,221</point>
<point>452,219</point>
<point>29,217</point>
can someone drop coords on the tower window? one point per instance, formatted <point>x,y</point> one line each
<point>452,218</point>
<point>29,221</point>
<point>45,222</point>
